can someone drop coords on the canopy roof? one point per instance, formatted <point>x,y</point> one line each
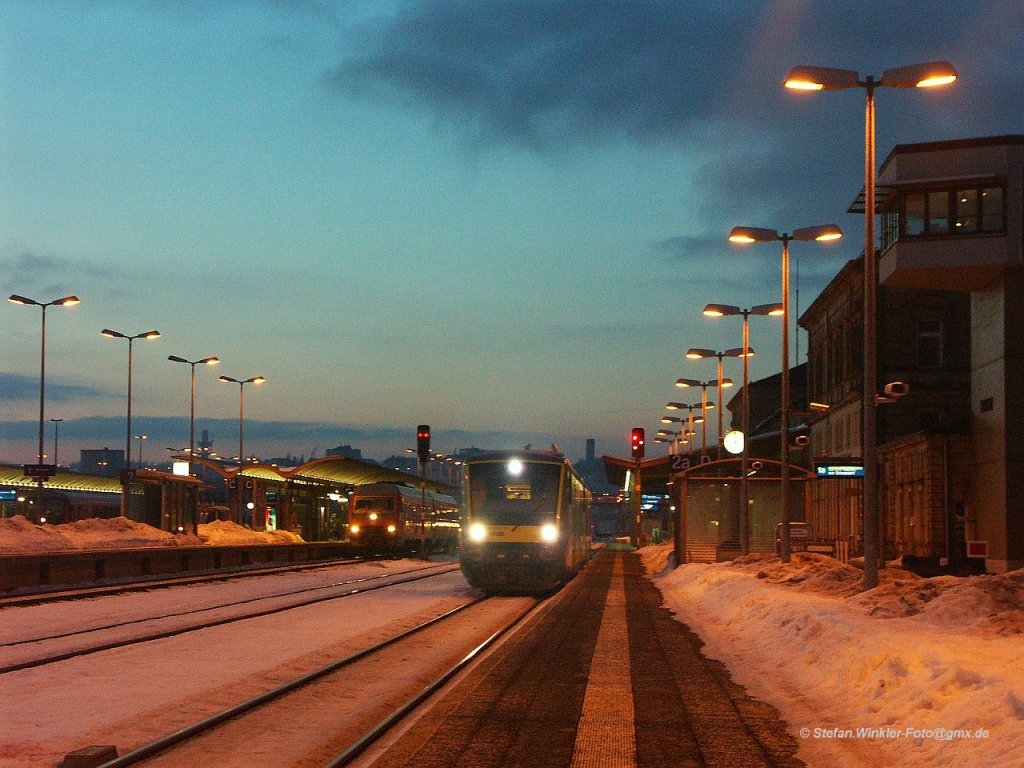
<point>13,476</point>
<point>332,469</point>
<point>657,473</point>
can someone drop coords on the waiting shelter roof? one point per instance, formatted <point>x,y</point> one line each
<point>332,469</point>
<point>654,473</point>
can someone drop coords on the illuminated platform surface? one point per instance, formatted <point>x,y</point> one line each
<point>603,677</point>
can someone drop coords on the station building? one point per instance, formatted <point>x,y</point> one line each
<point>951,306</point>
<point>950,314</point>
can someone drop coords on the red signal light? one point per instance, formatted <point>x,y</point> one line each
<point>423,442</point>
<point>636,442</point>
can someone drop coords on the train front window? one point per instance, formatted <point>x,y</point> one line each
<point>514,494</point>
<point>366,506</point>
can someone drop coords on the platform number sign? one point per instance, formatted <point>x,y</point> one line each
<point>678,463</point>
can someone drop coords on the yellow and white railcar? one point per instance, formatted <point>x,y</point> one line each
<point>526,521</point>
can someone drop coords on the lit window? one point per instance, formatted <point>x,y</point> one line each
<point>941,213</point>
<point>966,210</point>
<point>992,209</point>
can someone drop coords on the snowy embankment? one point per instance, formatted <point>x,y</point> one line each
<point>917,672</point>
<point>18,535</point>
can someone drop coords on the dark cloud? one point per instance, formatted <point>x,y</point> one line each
<point>14,386</point>
<point>691,250</point>
<point>46,274</point>
<point>704,77</point>
<point>693,259</point>
<point>535,73</point>
<point>540,71</point>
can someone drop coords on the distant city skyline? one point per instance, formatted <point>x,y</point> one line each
<point>264,439</point>
<point>501,219</point>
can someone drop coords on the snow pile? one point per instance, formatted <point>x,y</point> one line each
<point>918,672</point>
<point>225,533</point>
<point>19,535</point>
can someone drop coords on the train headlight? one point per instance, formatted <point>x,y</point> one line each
<point>477,532</point>
<point>353,529</point>
<point>549,533</point>
<point>373,515</point>
<point>391,529</point>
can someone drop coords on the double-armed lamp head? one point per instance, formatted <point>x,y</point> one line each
<point>821,233</point>
<point>67,301</point>
<point>205,360</point>
<point>685,383</point>
<point>698,353</point>
<point>687,407</point>
<point>729,310</point>
<point>118,335</point>
<point>253,380</point>
<point>928,75</point>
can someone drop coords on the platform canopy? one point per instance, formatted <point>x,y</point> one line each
<point>13,476</point>
<point>332,469</point>
<point>655,473</point>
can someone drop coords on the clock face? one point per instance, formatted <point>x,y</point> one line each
<point>733,441</point>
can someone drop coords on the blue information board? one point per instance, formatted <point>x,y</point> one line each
<point>839,470</point>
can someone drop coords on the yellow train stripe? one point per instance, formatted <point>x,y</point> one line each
<point>514,534</point>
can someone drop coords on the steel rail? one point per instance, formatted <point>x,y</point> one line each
<point>207,625</point>
<point>191,731</point>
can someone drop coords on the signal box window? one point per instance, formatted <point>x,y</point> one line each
<point>915,215</point>
<point>992,208</point>
<point>963,211</point>
<point>938,213</point>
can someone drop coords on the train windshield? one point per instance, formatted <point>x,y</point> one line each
<point>375,505</point>
<point>514,493</point>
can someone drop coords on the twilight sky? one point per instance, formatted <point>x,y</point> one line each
<point>499,218</point>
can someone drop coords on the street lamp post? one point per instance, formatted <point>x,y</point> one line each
<point>705,405</point>
<point>928,75</point>
<point>241,409</point>
<point>686,429</point>
<point>192,401</point>
<point>56,437</point>
<point>728,310</point>
<point>140,438</point>
<point>241,437</point>
<point>128,431</point>
<point>672,438</point>
<point>67,301</point>
<point>746,235</point>
<point>698,353</point>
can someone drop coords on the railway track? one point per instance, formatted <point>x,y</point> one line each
<point>317,719</point>
<point>149,583</point>
<point>295,598</point>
